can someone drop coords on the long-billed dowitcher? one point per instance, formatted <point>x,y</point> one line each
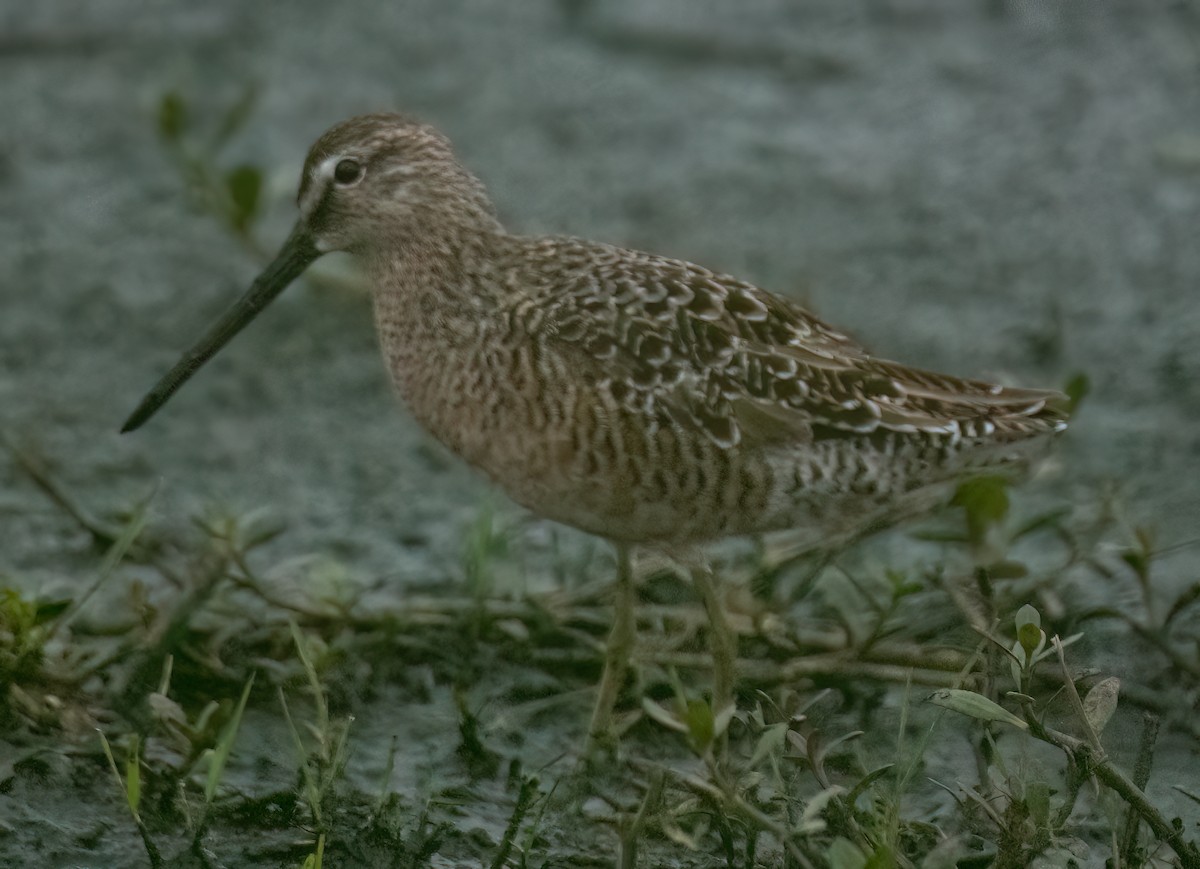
<point>640,398</point>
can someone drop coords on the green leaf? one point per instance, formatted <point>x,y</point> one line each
<point>975,706</point>
<point>1028,615</point>
<point>985,500</point>
<point>311,790</point>
<point>700,724</point>
<point>49,610</point>
<point>245,186</point>
<point>881,858</point>
<point>1137,561</point>
<point>122,785</point>
<point>133,777</point>
<point>220,753</point>
<point>1077,389</point>
<point>1029,631</point>
<point>310,671</point>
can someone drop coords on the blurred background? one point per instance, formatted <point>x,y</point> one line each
<point>999,188</point>
<point>1006,189</point>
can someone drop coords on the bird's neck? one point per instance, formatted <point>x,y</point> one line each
<point>433,253</point>
<point>429,279</point>
<point>433,297</point>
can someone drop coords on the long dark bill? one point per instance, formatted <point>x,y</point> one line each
<point>294,257</point>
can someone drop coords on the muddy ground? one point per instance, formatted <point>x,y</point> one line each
<point>1003,189</point>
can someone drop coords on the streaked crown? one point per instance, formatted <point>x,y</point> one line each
<point>374,177</point>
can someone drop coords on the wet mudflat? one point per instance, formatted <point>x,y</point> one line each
<point>1005,190</point>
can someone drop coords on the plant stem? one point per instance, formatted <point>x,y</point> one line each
<point>1141,775</point>
<point>1091,763</point>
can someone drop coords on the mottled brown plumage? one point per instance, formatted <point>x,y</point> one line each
<point>634,396</point>
<point>641,398</point>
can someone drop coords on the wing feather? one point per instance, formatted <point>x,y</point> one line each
<point>707,350</point>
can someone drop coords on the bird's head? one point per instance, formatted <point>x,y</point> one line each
<point>371,184</point>
<point>375,179</point>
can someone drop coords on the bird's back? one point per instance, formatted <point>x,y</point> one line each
<point>648,399</point>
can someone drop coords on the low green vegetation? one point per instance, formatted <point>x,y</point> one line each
<point>944,714</point>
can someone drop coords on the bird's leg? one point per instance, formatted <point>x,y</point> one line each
<point>723,640</point>
<point>616,655</point>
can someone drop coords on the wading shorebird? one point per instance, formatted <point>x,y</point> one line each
<point>640,398</point>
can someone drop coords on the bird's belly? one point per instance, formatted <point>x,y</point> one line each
<point>568,457</point>
<point>614,481</point>
<point>542,469</point>
<point>501,433</point>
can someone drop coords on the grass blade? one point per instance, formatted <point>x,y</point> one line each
<point>220,753</point>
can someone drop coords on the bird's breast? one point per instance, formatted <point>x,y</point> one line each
<point>555,438</point>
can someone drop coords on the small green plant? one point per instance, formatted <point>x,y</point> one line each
<point>131,777</point>
<point>129,783</point>
<point>218,756</point>
<point>322,765</point>
<point>527,795</point>
<point>741,800</point>
<point>25,625</point>
<point>234,194</point>
<point>804,771</point>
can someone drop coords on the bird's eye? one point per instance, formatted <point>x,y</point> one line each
<point>347,171</point>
